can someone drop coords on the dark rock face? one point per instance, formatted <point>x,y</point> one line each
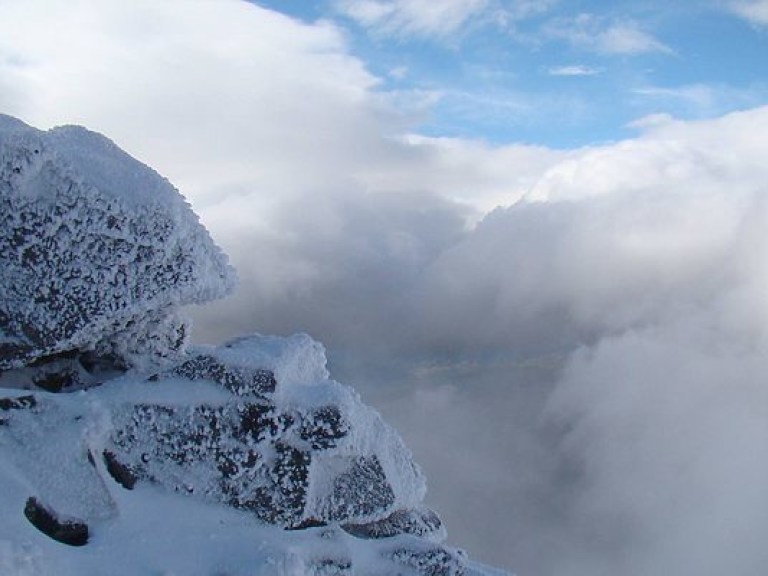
<point>66,531</point>
<point>65,372</point>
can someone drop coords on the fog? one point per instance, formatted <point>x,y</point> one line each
<point>580,373</point>
<point>572,342</point>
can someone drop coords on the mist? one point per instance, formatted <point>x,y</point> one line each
<point>580,373</point>
<point>572,342</point>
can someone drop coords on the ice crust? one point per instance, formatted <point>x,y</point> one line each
<point>97,251</point>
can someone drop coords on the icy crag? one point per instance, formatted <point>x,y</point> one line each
<point>96,250</point>
<point>124,452</point>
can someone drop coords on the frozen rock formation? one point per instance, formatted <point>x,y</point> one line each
<point>284,441</point>
<point>152,458</point>
<point>96,250</point>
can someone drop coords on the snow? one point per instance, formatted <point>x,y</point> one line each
<point>96,249</point>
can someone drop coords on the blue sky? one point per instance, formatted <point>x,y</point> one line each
<point>556,73</point>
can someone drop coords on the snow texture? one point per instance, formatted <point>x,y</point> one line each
<point>96,250</point>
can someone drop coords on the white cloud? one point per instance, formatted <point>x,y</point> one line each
<point>422,18</point>
<point>637,266</point>
<point>641,266</point>
<point>398,73</point>
<point>574,70</point>
<point>699,95</point>
<point>628,39</point>
<point>437,20</point>
<point>702,99</point>
<point>756,11</point>
<point>608,37</point>
<point>227,100</point>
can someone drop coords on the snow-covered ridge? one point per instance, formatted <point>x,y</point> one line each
<point>122,451</point>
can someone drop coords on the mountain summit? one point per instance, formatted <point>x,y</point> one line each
<point>127,452</point>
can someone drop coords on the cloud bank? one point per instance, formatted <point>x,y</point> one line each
<point>609,326</point>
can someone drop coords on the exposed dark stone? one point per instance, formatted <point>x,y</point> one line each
<point>324,427</point>
<point>291,472</point>
<point>72,532</point>
<point>121,473</point>
<point>239,381</point>
<point>421,522</point>
<point>332,567</point>
<point>66,378</point>
<point>432,561</point>
<point>100,363</point>
<point>63,355</point>
<point>257,421</point>
<point>308,523</point>
<point>18,403</point>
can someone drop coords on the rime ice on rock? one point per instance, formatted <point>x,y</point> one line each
<point>257,426</point>
<point>96,249</point>
<point>96,254</point>
<point>284,441</point>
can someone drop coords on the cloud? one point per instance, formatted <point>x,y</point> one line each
<point>755,11</point>
<point>437,20</point>
<point>419,18</point>
<point>600,35</point>
<point>573,70</point>
<point>610,326</point>
<point>634,275</point>
<point>702,99</point>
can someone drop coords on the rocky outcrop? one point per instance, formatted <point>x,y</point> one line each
<point>105,409</point>
<point>97,250</point>
<point>256,425</point>
<point>263,447</point>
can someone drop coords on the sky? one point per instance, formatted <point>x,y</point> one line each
<point>550,72</point>
<point>532,234</point>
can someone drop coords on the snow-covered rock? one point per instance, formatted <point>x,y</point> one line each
<point>124,453</point>
<point>295,452</point>
<point>96,250</point>
<point>257,427</point>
